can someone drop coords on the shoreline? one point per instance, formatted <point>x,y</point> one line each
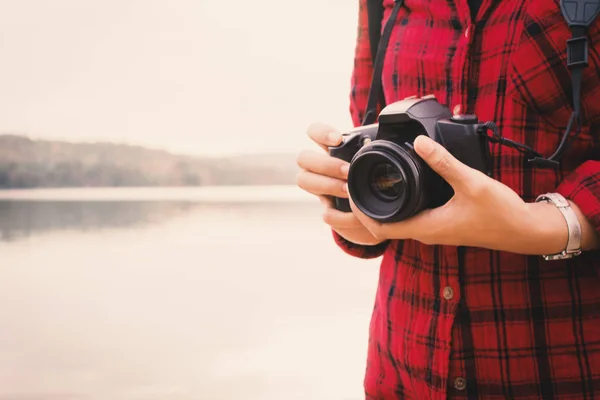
<point>221,194</point>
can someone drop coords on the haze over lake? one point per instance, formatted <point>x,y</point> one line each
<point>178,294</point>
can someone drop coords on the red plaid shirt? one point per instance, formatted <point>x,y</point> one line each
<point>453,322</point>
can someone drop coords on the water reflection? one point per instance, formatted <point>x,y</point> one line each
<point>20,219</point>
<point>179,300</point>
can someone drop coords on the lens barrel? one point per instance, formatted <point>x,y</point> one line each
<point>388,182</point>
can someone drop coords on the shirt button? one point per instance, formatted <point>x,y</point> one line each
<point>460,383</point>
<point>448,293</point>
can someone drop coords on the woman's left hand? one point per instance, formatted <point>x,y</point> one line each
<point>482,213</point>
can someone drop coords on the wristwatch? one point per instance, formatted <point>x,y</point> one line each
<point>573,247</point>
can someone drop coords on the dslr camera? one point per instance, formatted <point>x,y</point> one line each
<point>387,180</point>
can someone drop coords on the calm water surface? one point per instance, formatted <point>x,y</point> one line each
<point>231,293</point>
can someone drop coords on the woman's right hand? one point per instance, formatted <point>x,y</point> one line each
<point>325,176</point>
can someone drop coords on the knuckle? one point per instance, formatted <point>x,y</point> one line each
<point>477,189</point>
<point>331,168</point>
<point>326,167</point>
<point>330,186</point>
<point>342,188</point>
<point>340,173</point>
<point>444,162</point>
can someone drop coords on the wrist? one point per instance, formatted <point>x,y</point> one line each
<point>546,229</point>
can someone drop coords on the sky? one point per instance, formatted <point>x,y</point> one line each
<point>189,76</point>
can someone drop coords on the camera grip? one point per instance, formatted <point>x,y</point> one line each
<point>342,204</point>
<point>345,153</point>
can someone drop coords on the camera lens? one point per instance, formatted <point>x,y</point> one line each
<point>389,182</point>
<point>386,181</point>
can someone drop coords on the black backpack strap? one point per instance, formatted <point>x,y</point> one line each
<point>378,49</point>
<point>579,14</point>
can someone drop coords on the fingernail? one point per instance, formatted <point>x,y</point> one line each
<point>345,186</point>
<point>424,145</point>
<point>345,169</point>
<point>333,138</point>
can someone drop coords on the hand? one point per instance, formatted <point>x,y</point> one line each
<point>482,213</point>
<point>325,176</point>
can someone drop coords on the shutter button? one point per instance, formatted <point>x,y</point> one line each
<point>460,383</point>
<point>464,118</point>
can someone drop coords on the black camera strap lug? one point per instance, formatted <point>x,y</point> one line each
<point>579,14</point>
<point>498,138</point>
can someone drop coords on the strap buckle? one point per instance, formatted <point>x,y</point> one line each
<point>577,52</point>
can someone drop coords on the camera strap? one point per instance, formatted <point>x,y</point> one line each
<point>579,15</point>
<point>378,49</point>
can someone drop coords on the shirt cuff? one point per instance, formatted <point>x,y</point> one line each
<point>359,250</point>
<point>582,187</point>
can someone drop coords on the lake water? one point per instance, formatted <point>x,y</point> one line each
<point>216,294</point>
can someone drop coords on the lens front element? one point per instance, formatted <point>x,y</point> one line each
<point>386,181</point>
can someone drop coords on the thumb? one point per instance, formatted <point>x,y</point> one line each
<point>441,161</point>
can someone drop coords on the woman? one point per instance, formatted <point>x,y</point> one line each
<point>466,306</point>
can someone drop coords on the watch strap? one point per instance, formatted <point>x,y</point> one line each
<point>573,247</point>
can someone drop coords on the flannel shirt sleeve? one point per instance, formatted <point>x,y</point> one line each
<point>360,84</point>
<point>582,187</point>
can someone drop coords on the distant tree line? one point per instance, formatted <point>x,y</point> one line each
<point>27,163</point>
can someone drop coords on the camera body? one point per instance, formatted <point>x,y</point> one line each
<point>387,180</point>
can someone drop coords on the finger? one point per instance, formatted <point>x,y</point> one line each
<point>323,164</point>
<point>375,227</point>
<point>441,161</point>
<point>340,220</point>
<point>406,229</point>
<point>324,135</point>
<point>321,185</point>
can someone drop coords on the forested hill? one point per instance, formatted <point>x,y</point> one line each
<point>26,163</point>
